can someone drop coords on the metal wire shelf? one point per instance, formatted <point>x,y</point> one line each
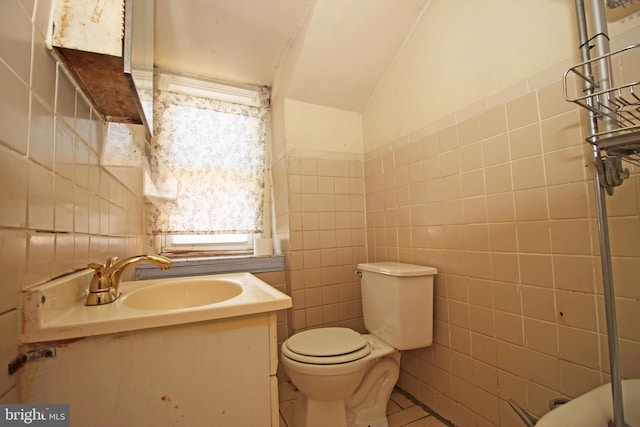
<point>617,108</point>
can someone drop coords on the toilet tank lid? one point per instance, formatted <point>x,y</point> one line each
<point>397,269</point>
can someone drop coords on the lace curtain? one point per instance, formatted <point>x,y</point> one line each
<point>216,151</point>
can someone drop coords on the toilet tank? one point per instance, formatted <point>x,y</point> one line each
<point>397,303</point>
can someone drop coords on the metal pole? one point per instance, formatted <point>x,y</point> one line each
<point>601,47</point>
<point>609,303</point>
<point>604,80</point>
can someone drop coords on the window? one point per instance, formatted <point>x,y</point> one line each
<point>224,243</point>
<point>212,139</point>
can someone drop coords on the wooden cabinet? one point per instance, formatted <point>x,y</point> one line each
<point>213,373</point>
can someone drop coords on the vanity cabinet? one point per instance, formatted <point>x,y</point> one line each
<point>212,373</point>
<point>108,47</point>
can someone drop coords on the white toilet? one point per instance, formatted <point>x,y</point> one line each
<point>345,378</point>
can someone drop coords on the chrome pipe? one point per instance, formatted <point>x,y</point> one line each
<point>601,47</point>
<point>609,303</point>
<point>526,417</point>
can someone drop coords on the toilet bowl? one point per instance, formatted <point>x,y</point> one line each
<point>332,389</point>
<point>345,378</point>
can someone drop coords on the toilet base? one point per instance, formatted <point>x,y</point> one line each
<point>320,413</point>
<point>367,407</point>
<point>362,394</point>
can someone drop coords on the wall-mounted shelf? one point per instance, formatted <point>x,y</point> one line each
<point>102,79</point>
<point>106,45</point>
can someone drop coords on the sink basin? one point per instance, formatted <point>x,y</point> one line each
<point>177,295</point>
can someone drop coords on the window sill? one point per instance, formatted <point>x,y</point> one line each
<point>199,266</point>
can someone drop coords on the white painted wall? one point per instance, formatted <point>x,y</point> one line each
<point>463,51</point>
<point>315,127</point>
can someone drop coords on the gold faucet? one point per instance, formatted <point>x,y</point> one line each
<point>105,284</point>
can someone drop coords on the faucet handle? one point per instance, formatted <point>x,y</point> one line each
<point>96,266</point>
<point>97,281</point>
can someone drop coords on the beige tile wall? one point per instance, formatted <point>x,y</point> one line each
<point>59,209</point>
<point>326,239</point>
<point>500,200</point>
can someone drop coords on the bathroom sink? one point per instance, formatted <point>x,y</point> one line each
<point>182,294</point>
<point>56,310</point>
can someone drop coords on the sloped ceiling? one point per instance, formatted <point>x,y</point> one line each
<point>347,49</point>
<point>347,45</point>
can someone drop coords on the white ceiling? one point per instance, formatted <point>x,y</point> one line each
<point>347,45</point>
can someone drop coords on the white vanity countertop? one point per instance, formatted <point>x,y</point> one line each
<point>56,311</point>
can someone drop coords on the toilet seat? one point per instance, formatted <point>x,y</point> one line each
<point>326,346</point>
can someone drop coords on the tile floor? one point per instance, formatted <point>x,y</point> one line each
<point>401,411</point>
